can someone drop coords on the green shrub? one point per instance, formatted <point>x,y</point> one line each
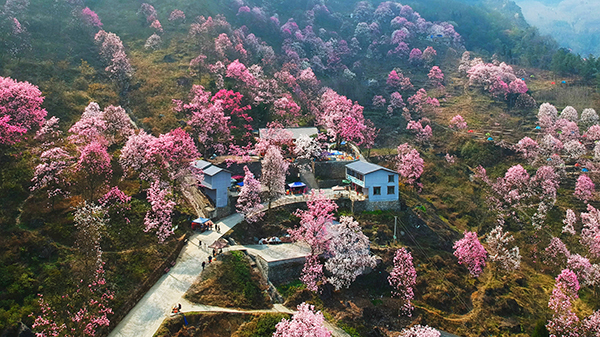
<point>261,326</point>
<point>540,330</point>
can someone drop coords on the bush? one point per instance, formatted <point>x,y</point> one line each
<point>261,326</point>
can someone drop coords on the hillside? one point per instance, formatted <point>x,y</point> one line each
<point>105,106</point>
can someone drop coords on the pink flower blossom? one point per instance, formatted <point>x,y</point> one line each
<point>470,252</point>
<point>403,278</point>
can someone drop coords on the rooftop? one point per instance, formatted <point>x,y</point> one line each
<point>364,167</point>
<point>208,168</point>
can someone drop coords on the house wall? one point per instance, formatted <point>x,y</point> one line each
<point>380,178</point>
<point>220,182</point>
<point>207,181</point>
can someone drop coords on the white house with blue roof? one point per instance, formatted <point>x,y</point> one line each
<point>376,182</point>
<point>216,182</point>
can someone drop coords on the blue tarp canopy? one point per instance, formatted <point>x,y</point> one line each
<point>201,220</point>
<point>241,183</point>
<point>297,184</point>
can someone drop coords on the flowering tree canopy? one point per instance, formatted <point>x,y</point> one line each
<point>20,109</point>
<point>304,323</point>
<point>403,278</point>
<point>249,203</point>
<point>469,251</point>
<point>409,163</point>
<point>349,249</point>
<point>274,170</point>
<point>497,241</point>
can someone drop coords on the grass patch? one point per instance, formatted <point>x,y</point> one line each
<point>230,283</point>
<point>260,326</point>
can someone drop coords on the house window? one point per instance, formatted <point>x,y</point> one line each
<point>391,189</point>
<point>376,190</point>
<point>391,178</point>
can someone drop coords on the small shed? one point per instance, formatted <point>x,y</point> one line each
<point>376,182</point>
<point>216,182</point>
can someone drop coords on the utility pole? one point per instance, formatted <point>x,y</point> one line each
<point>395,223</point>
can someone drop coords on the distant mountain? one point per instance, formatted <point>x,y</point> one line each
<point>573,23</point>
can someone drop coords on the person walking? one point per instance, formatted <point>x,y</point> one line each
<point>203,264</point>
<point>209,259</point>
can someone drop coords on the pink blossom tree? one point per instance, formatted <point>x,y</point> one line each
<point>378,101</point>
<point>396,103</point>
<point>304,323</point>
<point>590,234</point>
<point>349,249</point>
<point>177,15</point>
<point>307,148</point>
<point>118,124</point>
<point>84,312</point>
<point>458,122</point>
<point>403,278</point>
<point>274,170</point>
<point>420,101</point>
<point>249,203</point>
<point>429,55</point>
<point>343,119</point>
<point>314,229</point>
<point>409,163</point>
<point>393,79</point>
<point>557,252</point>
<point>415,56</point>
<point>94,165</point>
<point>90,17</point>
<point>148,11</point>
<point>528,148</point>
<point>51,173</point>
<point>287,110</point>
<point>20,109</point>
<point>584,188</point>
<point>564,321</point>
<point>470,252</point>
<point>238,71</point>
<point>436,77</point>
<point>211,126</point>
<point>422,134</point>
<point>90,127</point>
<point>113,53</point>
<point>174,153</point>
<point>133,158</point>
<point>158,218</point>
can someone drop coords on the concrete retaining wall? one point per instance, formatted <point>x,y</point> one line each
<point>330,169</point>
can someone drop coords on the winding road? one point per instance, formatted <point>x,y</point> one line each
<point>147,316</point>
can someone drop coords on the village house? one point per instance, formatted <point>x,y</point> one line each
<point>375,182</point>
<point>216,182</point>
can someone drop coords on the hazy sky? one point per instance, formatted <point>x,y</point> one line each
<point>573,23</point>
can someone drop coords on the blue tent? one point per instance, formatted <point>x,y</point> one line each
<point>201,220</point>
<point>297,184</point>
<point>241,183</point>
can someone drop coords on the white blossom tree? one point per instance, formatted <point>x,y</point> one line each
<point>349,248</point>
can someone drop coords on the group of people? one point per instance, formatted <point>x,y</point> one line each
<point>210,257</point>
<point>207,226</point>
